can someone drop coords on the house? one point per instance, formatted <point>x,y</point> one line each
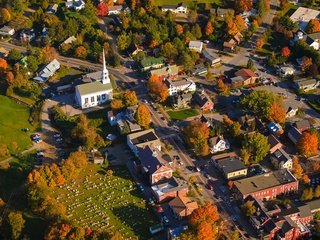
<point>7,31</point>
<point>274,128</point>
<point>243,77</point>
<point>303,15</point>
<point>47,71</point>
<point>114,10</point>
<point>126,126</point>
<point>200,70</point>
<point>305,84</point>
<point>77,5</point>
<point>224,155</point>
<point>27,35</point>
<point>204,101</point>
<point>212,58</point>
<point>291,111</point>
<point>169,189</point>
<point>170,71</point>
<point>134,49</point>
<point>182,207</point>
<point>311,40</point>
<point>281,159</point>
<point>218,144</point>
<point>3,52</point>
<point>142,139</point>
<point>153,165</point>
<point>177,86</point>
<point>69,40</point>
<point>274,143</point>
<point>231,168</point>
<point>180,8</point>
<point>95,157</point>
<point>196,46</point>
<point>302,125</point>
<point>53,8</point>
<point>286,71</point>
<point>247,122</point>
<point>266,186</point>
<point>151,63</point>
<point>238,37</point>
<point>183,100</point>
<point>97,92</point>
<point>294,135</point>
<point>229,46</point>
<point>205,120</point>
<point>273,221</point>
<point>222,12</point>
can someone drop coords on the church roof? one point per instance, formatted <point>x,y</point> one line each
<point>93,87</point>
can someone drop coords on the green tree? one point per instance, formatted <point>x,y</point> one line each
<point>245,156</point>
<point>169,51</point>
<point>14,55</point>
<point>130,98</point>
<point>235,235</point>
<point>258,146</point>
<point>250,65</point>
<point>317,192</point>
<point>187,61</point>
<point>123,41</point>
<point>307,194</point>
<point>33,63</point>
<point>196,31</point>
<point>248,208</point>
<point>16,223</point>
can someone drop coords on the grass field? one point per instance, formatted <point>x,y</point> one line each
<point>111,203</point>
<point>14,117</point>
<point>182,114</point>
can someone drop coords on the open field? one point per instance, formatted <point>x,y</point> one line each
<point>13,118</point>
<point>111,203</point>
<point>182,114</point>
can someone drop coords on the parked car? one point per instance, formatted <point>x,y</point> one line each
<point>165,220</point>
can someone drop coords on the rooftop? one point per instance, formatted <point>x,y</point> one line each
<point>273,141</point>
<point>172,69</point>
<point>268,180</point>
<point>281,155</point>
<point>93,87</point>
<point>169,185</point>
<point>245,73</point>
<point>149,61</point>
<point>229,165</point>
<point>181,203</point>
<point>305,82</point>
<point>303,16</point>
<point>303,124</point>
<point>195,44</point>
<point>143,136</point>
<point>181,82</point>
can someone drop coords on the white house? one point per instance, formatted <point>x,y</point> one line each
<point>286,71</point>
<point>211,57</point>
<point>114,10</point>
<point>27,35</point>
<point>96,92</point>
<point>77,5</point>
<point>303,15</point>
<point>306,84</point>
<point>313,39</point>
<point>196,46</point>
<point>142,139</point>
<point>6,31</point>
<point>180,8</point>
<point>69,40</point>
<point>291,111</point>
<point>183,85</point>
<point>47,71</point>
<point>281,160</point>
<point>218,144</point>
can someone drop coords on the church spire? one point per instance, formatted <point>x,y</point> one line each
<point>105,73</point>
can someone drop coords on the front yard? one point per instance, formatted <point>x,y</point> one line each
<point>182,114</point>
<point>112,203</point>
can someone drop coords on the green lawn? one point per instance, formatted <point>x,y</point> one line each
<point>182,114</point>
<point>14,117</point>
<point>111,203</point>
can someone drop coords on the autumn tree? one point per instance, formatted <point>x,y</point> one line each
<point>248,208</point>
<point>245,156</point>
<point>240,23</point>
<point>233,127</point>
<point>116,104</point>
<point>207,213</point>
<point>313,26</point>
<point>308,144</point>
<point>277,112</point>
<point>48,54</point>
<point>16,223</point>
<point>3,64</point>
<point>130,98</point>
<point>205,231</point>
<point>285,52</point>
<point>243,5</point>
<point>305,179</point>
<point>5,15</point>
<point>258,146</point>
<point>169,51</point>
<point>208,28</point>
<point>317,192</point>
<point>284,4</point>
<point>232,28</point>
<point>158,89</point>
<point>260,43</point>
<point>197,134</point>
<point>296,168</point>
<point>80,52</point>
<point>143,116</point>
<point>102,9</point>
<point>306,64</point>
<point>179,29</point>
<point>221,86</point>
<point>307,194</point>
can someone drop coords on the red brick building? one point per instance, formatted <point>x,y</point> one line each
<point>266,186</point>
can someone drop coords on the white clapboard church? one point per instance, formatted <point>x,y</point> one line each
<point>96,92</point>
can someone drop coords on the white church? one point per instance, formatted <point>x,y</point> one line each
<point>96,92</point>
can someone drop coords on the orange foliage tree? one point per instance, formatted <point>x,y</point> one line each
<point>308,144</point>
<point>221,86</point>
<point>48,54</point>
<point>239,21</point>
<point>232,28</point>
<point>306,64</point>
<point>3,64</point>
<point>130,98</point>
<point>277,112</point>
<point>102,9</point>
<point>313,26</point>
<point>296,168</point>
<point>158,89</point>
<point>208,29</point>
<point>143,116</point>
<point>244,5</point>
<point>197,134</point>
<point>285,52</point>
<point>260,43</point>
<point>179,29</point>
<point>116,104</point>
<point>80,52</point>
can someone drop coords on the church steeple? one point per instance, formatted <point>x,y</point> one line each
<point>105,73</point>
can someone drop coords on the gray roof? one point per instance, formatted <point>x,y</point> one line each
<point>181,82</point>
<point>229,165</point>
<point>195,44</point>
<point>295,133</point>
<point>303,124</point>
<point>93,87</point>
<point>143,137</point>
<point>305,82</point>
<point>268,180</point>
<point>151,159</point>
<point>281,156</point>
<point>273,141</point>
<point>314,205</point>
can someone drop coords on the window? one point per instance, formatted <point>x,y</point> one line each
<point>103,96</point>
<point>92,99</point>
<point>98,98</point>
<point>86,100</point>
